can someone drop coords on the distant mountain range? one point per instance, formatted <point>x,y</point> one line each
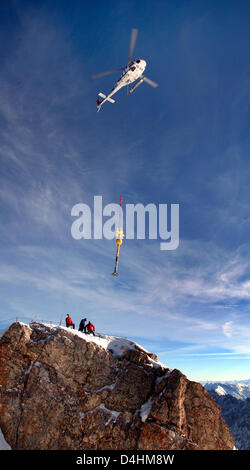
<point>246,381</point>
<point>234,400</point>
<point>240,390</point>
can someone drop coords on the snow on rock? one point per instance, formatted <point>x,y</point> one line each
<point>118,345</point>
<point>3,443</point>
<point>146,408</point>
<point>220,390</point>
<point>114,344</point>
<point>113,414</point>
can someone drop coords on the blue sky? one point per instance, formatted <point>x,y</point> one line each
<point>186,142</point>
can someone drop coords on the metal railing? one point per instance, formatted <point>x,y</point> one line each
<point>9,321</point>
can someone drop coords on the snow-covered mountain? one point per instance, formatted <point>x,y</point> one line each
<point>239,390</point>
<point>234,400</point>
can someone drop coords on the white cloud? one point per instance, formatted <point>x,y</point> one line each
<point>228,329</point>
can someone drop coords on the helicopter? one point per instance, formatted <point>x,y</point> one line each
<point>130,73</point>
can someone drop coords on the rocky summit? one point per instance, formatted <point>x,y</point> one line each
<point>62,389</point>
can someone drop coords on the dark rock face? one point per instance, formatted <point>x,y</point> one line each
<point>61,390</point>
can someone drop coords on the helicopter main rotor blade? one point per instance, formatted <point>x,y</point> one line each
<point>133,38</point>
<point>150,82</point>
<point>102,74</point>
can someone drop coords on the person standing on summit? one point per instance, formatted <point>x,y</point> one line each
<point>83,325</point>
<point>69,322</point>
<point>90,327</point>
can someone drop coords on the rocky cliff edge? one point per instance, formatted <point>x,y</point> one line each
<point>62,389</point>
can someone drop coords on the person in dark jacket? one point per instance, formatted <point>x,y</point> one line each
<point>69,322</point>
<point>90,327</point>
<point>83,325</point>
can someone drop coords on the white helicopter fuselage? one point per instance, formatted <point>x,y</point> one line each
<point>132,72</point>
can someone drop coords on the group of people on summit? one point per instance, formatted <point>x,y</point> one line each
<point>84,326</point>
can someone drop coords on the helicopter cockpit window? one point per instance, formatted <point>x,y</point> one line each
<point>138,61</point>
<point>132,68</point>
